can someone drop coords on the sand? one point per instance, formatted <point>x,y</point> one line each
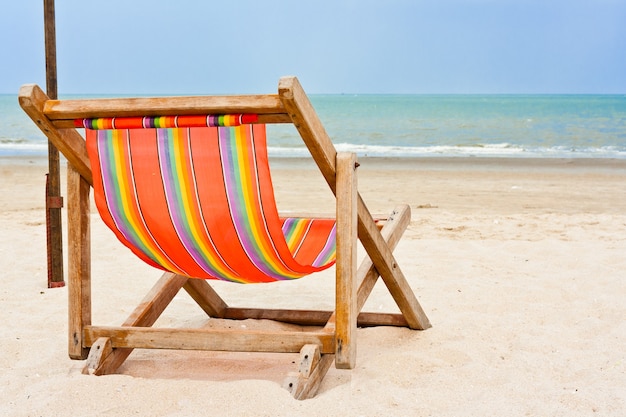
<point>519,263</point>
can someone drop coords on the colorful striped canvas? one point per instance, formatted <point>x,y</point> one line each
<point>199,202</point>
<point>210,120</point>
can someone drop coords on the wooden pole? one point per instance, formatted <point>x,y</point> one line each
<point>54,200</point>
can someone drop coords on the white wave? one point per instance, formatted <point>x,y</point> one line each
<point>18,147</point>
<point>489,150</point>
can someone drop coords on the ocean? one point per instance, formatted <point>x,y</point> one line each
<point>550,126</point>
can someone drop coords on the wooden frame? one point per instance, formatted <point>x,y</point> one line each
<point>332,334</point>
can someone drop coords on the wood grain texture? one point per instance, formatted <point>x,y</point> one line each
<point>161,106</point>
<point>79,262</point>
<point>345,268</point>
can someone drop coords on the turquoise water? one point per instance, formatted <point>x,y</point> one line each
<point>426,125</point>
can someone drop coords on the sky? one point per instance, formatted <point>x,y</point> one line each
<point>332,46</point>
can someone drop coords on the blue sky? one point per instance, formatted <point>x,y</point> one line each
<point>333,46</point>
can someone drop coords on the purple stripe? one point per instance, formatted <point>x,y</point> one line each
<point>104,143</point>
<point>229,152</point>
<point>169,178</point>
<point>111,189</point>
<point>328,250</point>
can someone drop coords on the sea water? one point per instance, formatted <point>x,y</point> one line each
<point>559,126</point>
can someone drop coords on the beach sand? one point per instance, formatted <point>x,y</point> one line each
<point>519,263</point>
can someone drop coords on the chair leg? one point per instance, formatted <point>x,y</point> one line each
<point>318,142</point>
<point>346,290</point>
<point>367,274</point>
<point>389,270</point>
<point>313,367</point>
<point>103,360</point>
<point>79,262</point>
<point>206,297</point>
<point>98,353</point>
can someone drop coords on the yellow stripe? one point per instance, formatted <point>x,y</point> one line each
<point>182,162</point>
<point>127,200</point>
<point>296,235</point>
<point>252,204</point>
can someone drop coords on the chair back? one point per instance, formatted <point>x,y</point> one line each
<point>193,195</point>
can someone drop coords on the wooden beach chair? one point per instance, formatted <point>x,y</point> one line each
<point>209,213</point>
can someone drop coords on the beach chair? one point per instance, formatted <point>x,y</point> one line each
<point>184,182</point>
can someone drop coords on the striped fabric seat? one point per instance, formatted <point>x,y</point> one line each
<point>198,201</point>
